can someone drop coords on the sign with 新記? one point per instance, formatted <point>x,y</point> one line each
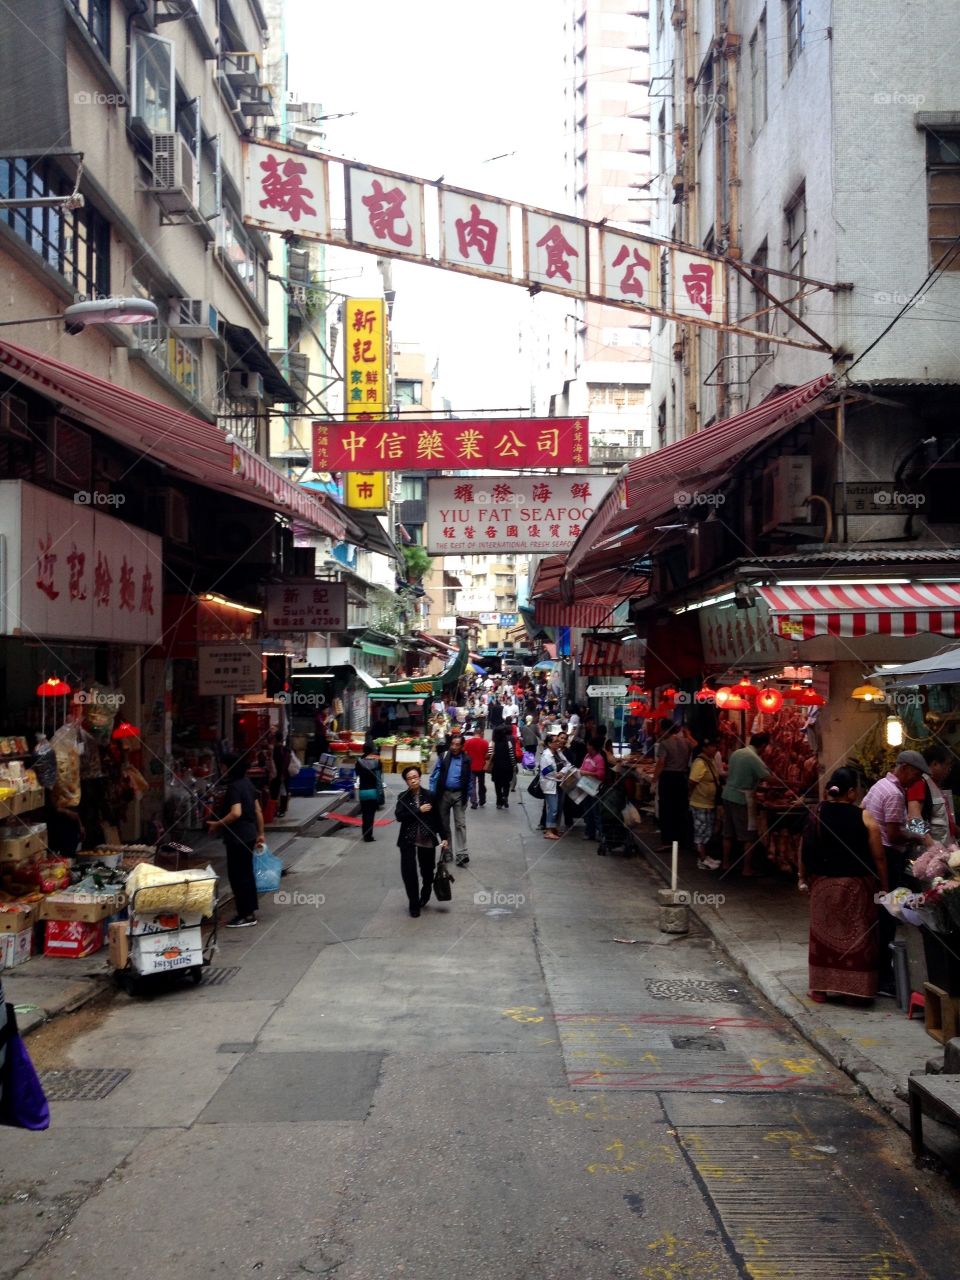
<point>422,444</point>
<point>510,513</point>
<point>306,606</point>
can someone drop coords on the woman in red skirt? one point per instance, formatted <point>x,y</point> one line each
<point>844,863</point>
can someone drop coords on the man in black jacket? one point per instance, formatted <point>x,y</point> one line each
<point>450,783</point>
<point>420,826</point>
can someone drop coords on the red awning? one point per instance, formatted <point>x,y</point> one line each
<point>600,657</point>
<point>650,486</point>
<point>870,609</point>
<point>193,448</point>
<point>597,595</point>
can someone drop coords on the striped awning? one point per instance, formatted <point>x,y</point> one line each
<point>869,609</point>
<point>600,657</point>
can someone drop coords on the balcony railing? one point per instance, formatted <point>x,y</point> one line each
<point>175,356</point>
<point>616,452</point>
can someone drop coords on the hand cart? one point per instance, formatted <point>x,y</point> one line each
<point>162,940</point>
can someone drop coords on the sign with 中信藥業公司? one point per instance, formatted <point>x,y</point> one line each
<point>229,669</point>
<point>365,490</point>
<point>507,513</point>
<point>607,691</point>
<point>364,361</point>
<point>462,444</point>
<point>306,606</point>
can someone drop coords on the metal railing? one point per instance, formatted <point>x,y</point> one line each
<point>175,356</point>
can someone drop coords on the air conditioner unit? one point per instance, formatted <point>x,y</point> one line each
<point>786,488</point>
<point>242,385</point>
<point>242,69</point>
<point>172,173</point>
<point>257,101</point>
<point>194,318</point>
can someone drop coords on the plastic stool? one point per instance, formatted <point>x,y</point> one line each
<point>917,1001</point>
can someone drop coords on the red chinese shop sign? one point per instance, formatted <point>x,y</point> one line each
<point>411,444</point>
<point>71,571</point>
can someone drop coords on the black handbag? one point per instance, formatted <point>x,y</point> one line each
<point>535,788</point>
<point>441,884</point>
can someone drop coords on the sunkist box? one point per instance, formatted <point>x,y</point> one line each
<point>166,952</point>
<point>72,939</point>
<point>15,948</point>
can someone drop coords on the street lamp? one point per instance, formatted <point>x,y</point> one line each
<point>99,311</point>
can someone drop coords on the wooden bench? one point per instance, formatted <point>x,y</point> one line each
<point>937,1097</point>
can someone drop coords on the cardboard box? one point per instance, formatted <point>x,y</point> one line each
<point>72,939</point>
<point>22,848</point>
<point>15,948</point>
<point>119,944</point>
<point>21,802</point>
<point>90,908</point>
<point>141,925</point>
<point>164,953</point>
<point>14,917</point>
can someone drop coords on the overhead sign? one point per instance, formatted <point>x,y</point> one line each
<point>72,572</point>
<point>398,215</point>
<point>365,490</point>
<point>422,444</point>
<point>229,669</point>
<point>607,691</point>
<point>476,602</point>
<point>365,359</point>
<point>306,606</point>
<point>510,513</point>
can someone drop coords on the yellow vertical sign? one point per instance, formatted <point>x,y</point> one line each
<point>365,373</point>
<point>365,490</point>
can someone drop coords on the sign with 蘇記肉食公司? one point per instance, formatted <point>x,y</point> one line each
<point>306,606</point>
<point>461,444</point>
<point>513,514</point>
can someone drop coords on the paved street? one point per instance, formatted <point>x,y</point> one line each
<point>498,1089</point>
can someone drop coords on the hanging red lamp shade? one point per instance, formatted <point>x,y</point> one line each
<point>125,730</point>
<point>744,689</point>
<point>669,694</point>
<point>793,693</point>
<point>637,708</point>
<point>809,697</point>
<point>634,688</point>
<point>705,695</point>
<point>770,700</point>
<point>723,696</point>
<point>53,688</point>
<point>736,703</point>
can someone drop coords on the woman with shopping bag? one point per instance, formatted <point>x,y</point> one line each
<point>421,828</point>
<point>370,787</point>
<point>241,825</point>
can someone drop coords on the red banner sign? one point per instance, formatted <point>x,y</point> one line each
<point>412,444</point>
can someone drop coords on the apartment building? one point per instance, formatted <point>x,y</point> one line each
<point>818,140</point>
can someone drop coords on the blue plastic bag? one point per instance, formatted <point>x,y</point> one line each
<point>267,868</point>
<point>528,759</point>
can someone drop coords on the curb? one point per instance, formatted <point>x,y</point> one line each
<point>865,1073</point>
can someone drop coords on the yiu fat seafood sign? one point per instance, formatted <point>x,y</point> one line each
<point>510,513</point>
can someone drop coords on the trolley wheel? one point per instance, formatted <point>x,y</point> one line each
<point>196,974</point>
<point>127,981</point>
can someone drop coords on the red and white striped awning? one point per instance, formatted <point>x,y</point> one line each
<point>870,609</point>
<point>600,657</point>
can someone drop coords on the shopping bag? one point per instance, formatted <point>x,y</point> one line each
<point>23,1104</point>
<point>294,767</point>
<point>441,884</point>
<point>535,788</point>
<point>528,759</point>
<point>267,868</point>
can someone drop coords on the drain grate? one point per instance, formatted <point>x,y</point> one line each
<point>217,977</point>
<point>695,991</point>
<point>236,1046</point>
<point>81,1084</point>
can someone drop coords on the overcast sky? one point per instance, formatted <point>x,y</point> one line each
<point>440,88</point>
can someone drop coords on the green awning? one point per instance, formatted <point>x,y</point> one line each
<point>377,650</point>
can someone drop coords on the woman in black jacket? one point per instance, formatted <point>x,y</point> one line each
<point>502,766</point>
<point>421,826</point>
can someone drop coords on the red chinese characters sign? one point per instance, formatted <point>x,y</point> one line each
<point>306,606</point>
<point>385,212</point>
<point>476,233</point>
<point>286,190</point>
<point>697,287</point>
<point>411,444</point>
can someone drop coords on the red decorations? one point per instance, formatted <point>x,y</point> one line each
<point>770,701</point>
<point>53,688</point>
<point>808,697</point>
<point>705,695</point>
<point>125,730</point>
<point>735,703</point>
<point>670,694</point>
<point>723,696</point>
<point>744,689</point>
<point>793,693</point>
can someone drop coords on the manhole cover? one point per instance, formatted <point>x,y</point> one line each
<point>217,977</point>
<point>694,990</point>
<point>698,1042</point>
<point>81,1084</point>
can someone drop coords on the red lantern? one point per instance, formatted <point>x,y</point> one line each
<point>704,695</point>
<point>770,700</point>
<point>736,703</point>
<point>125,730</point>
<point>744,689</point>
<point>637,709</point>
<point>53,688</point>
<point>669,694</point>
<point>723,696</point>
<point>634,688</point>
<point>809,697</point>
<point>793,693</point>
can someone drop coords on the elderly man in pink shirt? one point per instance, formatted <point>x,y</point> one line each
<point>886,801</point>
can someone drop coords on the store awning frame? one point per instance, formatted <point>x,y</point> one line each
<point>647,487</point>
<point>186,445</point>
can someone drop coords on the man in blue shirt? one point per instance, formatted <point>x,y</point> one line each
<point>450,783</point>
